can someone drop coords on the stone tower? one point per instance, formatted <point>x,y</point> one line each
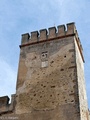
<point>50,82</point>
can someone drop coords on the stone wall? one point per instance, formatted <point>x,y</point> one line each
<point>47,79</point>
<point>81,85</point>
<point>5,106</point>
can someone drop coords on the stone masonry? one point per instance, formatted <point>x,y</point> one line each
<point>50,81</point>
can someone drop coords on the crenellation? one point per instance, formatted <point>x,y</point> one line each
<point>4,101</point>
<point>43,34</point>
<point>61,30</point>
<point>5,106</point>
<point>12,104</point>
<point>71,29</point>
<point>34,36</point>
<point>49,34</point>
<point>76,34</point>
<point>25,38</point>
<point>52,32</point>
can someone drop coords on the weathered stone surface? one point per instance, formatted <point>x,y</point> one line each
<point>4,101</point>
<point>5,107</point>
<point>46,87</point>
<point>81,85</point>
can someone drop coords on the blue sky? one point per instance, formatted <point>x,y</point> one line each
<point>22,16</point>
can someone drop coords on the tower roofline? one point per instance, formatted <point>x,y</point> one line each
<point>52,33</point>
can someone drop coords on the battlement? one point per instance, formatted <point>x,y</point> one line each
<point>51,33</point>
<point>5,107</point>
<point>4,101</point>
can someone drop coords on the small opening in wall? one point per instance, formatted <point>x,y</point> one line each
<point>72,100</point>
<point>52,62</point>
<point>41,84</point>
<point>38,102</point>
<point>74,80</point>
<point>34,94</point>
<point>44,55</point>
<point>50,95</point>
<point>52,86</point>
<point>62,69</point>
<point>71,91</point>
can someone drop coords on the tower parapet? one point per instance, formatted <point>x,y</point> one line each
<point>49,34</point>
<point>52,33</point>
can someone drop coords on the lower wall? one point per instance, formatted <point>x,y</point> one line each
<point>59,113</point>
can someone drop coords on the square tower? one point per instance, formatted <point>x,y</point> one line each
<point>50,82</point>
